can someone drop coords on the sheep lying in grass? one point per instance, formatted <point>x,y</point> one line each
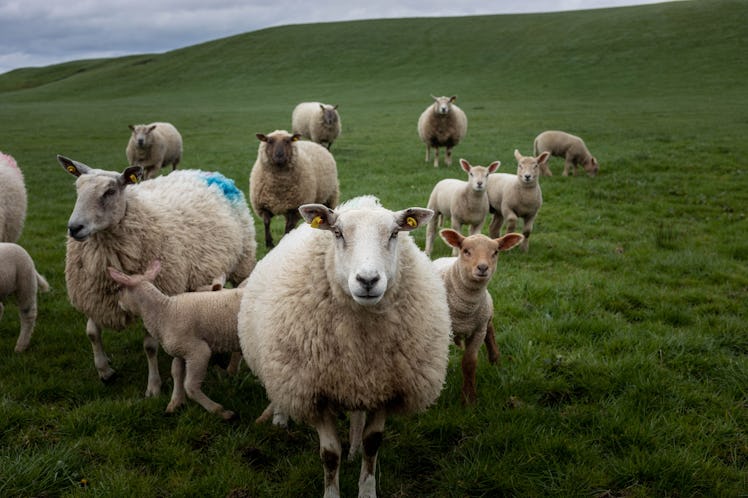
<point>19,277</point>
<point>12,199</point>
<point>516,196</point>
<point>463,202</point>
<point>290,172</point>
<point>197,223</point>
<point>316,121</point>
<point>466,278</point>
<point>347,314</point>
<point>189,326</point>
<point>442,124</point>
<point>154,146</point>
<point>570,147</point>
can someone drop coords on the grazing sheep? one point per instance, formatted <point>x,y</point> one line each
<point>442,124</point>
<point>316,121</point>
<point>463,202</point>
<point>466,278</point>
<point>12,199</point>
<point>154,146</point>
<point>348,317</point>
<point>516,196</point>
<point>287,173</point>
<point>570,147</point>
<point>190,327</point>
<point>19,276</point>
<point>197,223</point>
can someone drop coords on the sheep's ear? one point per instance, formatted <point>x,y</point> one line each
<point>318,216</point>
<point>543,158</point>
<point>151,128</point>
<point>322,106</point>
<point>132,175</point>
<point>261,137</point>
<point>494,166</point>
<point>296,137</point>
<point>132,127</point>
<point>411,218</point>
<point>153,268</point>
<point>73,167</point>
<point>509,241</point>
<point>452,237</point>
<point>452,99</point>
<point>465,165</point>
<point>517,155</point>
<point>335,107</point>
<point>118,276</point>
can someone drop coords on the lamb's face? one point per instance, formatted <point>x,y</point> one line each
<point>591,166</point>
<point>478,175</point>
<point>529,168</point>
<point>478,257</point>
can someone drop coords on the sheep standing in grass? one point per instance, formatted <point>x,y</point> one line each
<point>287,173</point>
<point>570,147</point>
<point>463,202</point>
<point>316,121</point>
<point>347,314</point>
<point>466,278</point>
<point>154,146</point>
<point>197,223</point>
<point>442,124</point>
<point>516,196</point>
<point>19,277</point>
<point>13,199</point>
<point>189,326</point>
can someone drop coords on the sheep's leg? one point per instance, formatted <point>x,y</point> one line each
<point>456,224</point>
<point>490,342</point>
<point>27,314</point>
<point>292,218</point>
<point>372,440</point>
<point>329,451</point>
<point>2,308</point>
<point>431,233</point>
<point>357,420</point>
<point>266,216</point>
<point>150,346</point>
<point>526,231</point>
<point>428,153</point>
<point>93,331</point>
<point>234,362</point>
<point>436,157</point>
<point>177,394</point>
<point>470,365</point>
<point>567,166</point>
<point>494,229</point>
<point>448,156</point>
<point>196,364</point>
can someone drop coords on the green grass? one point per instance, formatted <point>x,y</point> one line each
<point>623,329</point>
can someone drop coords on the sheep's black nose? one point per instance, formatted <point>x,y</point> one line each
<point>367,282</point>
<point>482,269</point>
<point>74,230</point>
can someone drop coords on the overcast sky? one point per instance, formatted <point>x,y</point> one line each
<point>43,32</point>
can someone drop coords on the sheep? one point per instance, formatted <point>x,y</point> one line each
<point>347,314</point>
<point>19,277</point>
<point>119,222</point>
<point>153,146</point>
<point>442,124</point>
<point>466,279</point>
<point>464,202</point>
<point>516,196</point>
<point>287,173</point>
<point>317,121</point>
<point>13,201</point>
<point>570,147</point>
<point>190,327</point>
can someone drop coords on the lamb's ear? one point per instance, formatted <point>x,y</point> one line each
<point>543,158</point>
<point>517,155</point>
<point>411,218</point>
<point>261,137</point>
<point>509,241</point>
<point>465,165</point>
<point>131,175</point>
<point>118,276</point>
<point>152,271</point>
<point>73,167</point>
<point>494,166</point>
<point>318,215</point>
<point>452,237</point>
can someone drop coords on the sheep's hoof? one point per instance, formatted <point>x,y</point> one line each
<point>110,378</point>
<point>229,416</point>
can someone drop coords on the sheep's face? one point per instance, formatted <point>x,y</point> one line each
<point>479,254</point>
<point>529,167</point>
<point>478,175</point>
<point>141,135</point>
<point>278,147</point>
<point>591,166</point>
<point>442,105</point>
<point>329,114</point>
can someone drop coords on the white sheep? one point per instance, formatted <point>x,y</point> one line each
<point>13,201</point>
<point>516,196</point>
<point>347,314</point>
<point>19,277</point>
<point>466,278</point>
<point>197,223</point>
<point>442,124</point>
<point>154,146</point>
<point>462,202</point>
<point>316,121</point>
<point>287,173</point>
<point>570,147</point>
<point>190,327</point>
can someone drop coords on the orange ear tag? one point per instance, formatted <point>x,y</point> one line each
<point>72,169</point>
<point>316,222</point>
<point>411,221</point>
<point>133,178</point>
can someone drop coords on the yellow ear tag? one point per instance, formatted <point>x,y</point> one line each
<point>133,178</point>
<point>316,221</point>
<point>71,169</point>
<point>411,221</point>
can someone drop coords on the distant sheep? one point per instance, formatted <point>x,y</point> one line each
<point>462,202</point>
<point>570,147</point>
<point>13,199</point>
<point>154,146</point>
<point>442,124</point>
<point>19,277</point>
<point>197,223</point>
<point>316,121</point>
<point>287,173</point>
<point>347,315</point>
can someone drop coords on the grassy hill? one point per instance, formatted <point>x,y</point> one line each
<point>624,367</point>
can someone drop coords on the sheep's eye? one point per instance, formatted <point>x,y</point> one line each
<point>338,233</point>
<point>495,254</point>
<point>394,234</point>
<point>466,252</point>
<point>109,193</point>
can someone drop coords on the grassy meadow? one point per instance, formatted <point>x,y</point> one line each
<point>622,330</point>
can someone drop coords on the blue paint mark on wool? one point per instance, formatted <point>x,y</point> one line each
<point>226,185</point>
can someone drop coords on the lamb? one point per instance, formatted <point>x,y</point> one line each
<point>347,314</point>
<point>442,124</point>
<point>516,196</point>
<point>466,278</point>
<point>154,146</point>
<point>317,121</point>
<point>190,327</point>
<point>13,201</point>
<point>570,147</point>
<point>464,202</point>
<point>287,173</point>
<point>119,222</point>
<point>19,277</point>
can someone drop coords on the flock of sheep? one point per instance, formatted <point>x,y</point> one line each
<point>344,314</point>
